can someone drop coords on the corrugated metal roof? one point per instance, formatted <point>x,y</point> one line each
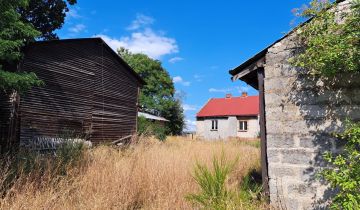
<point>151,117</point>
<point>234,106</point>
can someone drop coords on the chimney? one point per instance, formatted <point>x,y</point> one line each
<point>244,94</point>
<point>228,95</point>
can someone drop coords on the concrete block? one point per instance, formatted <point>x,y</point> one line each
<point>273,156</point>
<point>301,189</point>
<point>280,141</point>
<point>297,156</point>
<point>278,171</point>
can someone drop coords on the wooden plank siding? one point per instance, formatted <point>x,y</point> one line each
<point>89,92</point>
<point>9,124</point>
<point>115,99</point>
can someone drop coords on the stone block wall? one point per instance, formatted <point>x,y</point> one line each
<point>301,113</point>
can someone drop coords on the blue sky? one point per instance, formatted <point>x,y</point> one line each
<point>198,42</point>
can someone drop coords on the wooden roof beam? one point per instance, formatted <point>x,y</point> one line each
<point>252,67</point>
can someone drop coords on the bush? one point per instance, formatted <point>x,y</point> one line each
<point>331,46</point>
<point>344,175</point>
<point>251,186</point>
<point>146,127</point>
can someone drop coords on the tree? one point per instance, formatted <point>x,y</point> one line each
<point>46,15</point>
<point>23,21</point>
<point>331,39</point>
<point>158,93</point>
<point>14,34</point>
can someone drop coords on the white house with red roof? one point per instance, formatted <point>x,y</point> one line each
<point>222,118</point>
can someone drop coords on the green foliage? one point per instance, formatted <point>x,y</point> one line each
<point>344,175</point>
<point>158,93</point>
<point>146,127</point>
<point>251,186</point>
<point>69,154</point>
<point>331,39</point>
<point>174,112</point>
<point>14,34</point>
<point>18,81</point>
<point>46,16</point>
<point>212,183</point>
<point>22,21</point>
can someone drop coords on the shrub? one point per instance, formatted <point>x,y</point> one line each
<point>331,39</point>
<point>251,186</point>
<point>69,154</point>
<point>344,175</point>
<point>212,183</point>
<point>146,127</point>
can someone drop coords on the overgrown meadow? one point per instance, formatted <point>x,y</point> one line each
<point>146,175</point>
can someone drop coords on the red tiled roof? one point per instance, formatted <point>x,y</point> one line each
<point>234,106</point>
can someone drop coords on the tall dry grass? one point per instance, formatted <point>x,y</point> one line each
<point>149,175</point>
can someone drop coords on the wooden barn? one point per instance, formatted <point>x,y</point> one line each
<point>89,93</point>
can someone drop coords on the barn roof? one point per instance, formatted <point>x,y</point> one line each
<point>231,106</point>
<point>107,47</point>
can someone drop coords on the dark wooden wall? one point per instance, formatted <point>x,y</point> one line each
<point>115,98</point>
<point>89,92</point>
<point>9,124</point>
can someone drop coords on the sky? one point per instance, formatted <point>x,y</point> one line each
<point>198,42</point>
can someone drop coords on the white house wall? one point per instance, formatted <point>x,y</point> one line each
<point>227,127</point>
<point>253,128</point>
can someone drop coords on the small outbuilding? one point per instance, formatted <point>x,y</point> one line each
<point>298,113</point>
<point>89,93</point>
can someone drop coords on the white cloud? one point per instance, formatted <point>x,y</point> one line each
<point>77,28</point>
<point>74,13</point>
<point>140,21</point>
<point>177,79</point>
<point>214,90</point>
<point>190,125</point>
<point>144,40</point>
<point>228,90</point>
<point>188,107</point>
<point>243,89</point>
<point>147,42</point>
<point>180,80</point>
<point>198,77</point>
<point>175,59</point>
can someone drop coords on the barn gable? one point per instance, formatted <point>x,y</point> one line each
<point>89,92</point>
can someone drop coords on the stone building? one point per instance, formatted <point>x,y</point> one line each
<point>222,118</point>
<point>297,116</point>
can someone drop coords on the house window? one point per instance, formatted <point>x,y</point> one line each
<point>243,125</point>
<point>214,124</point>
